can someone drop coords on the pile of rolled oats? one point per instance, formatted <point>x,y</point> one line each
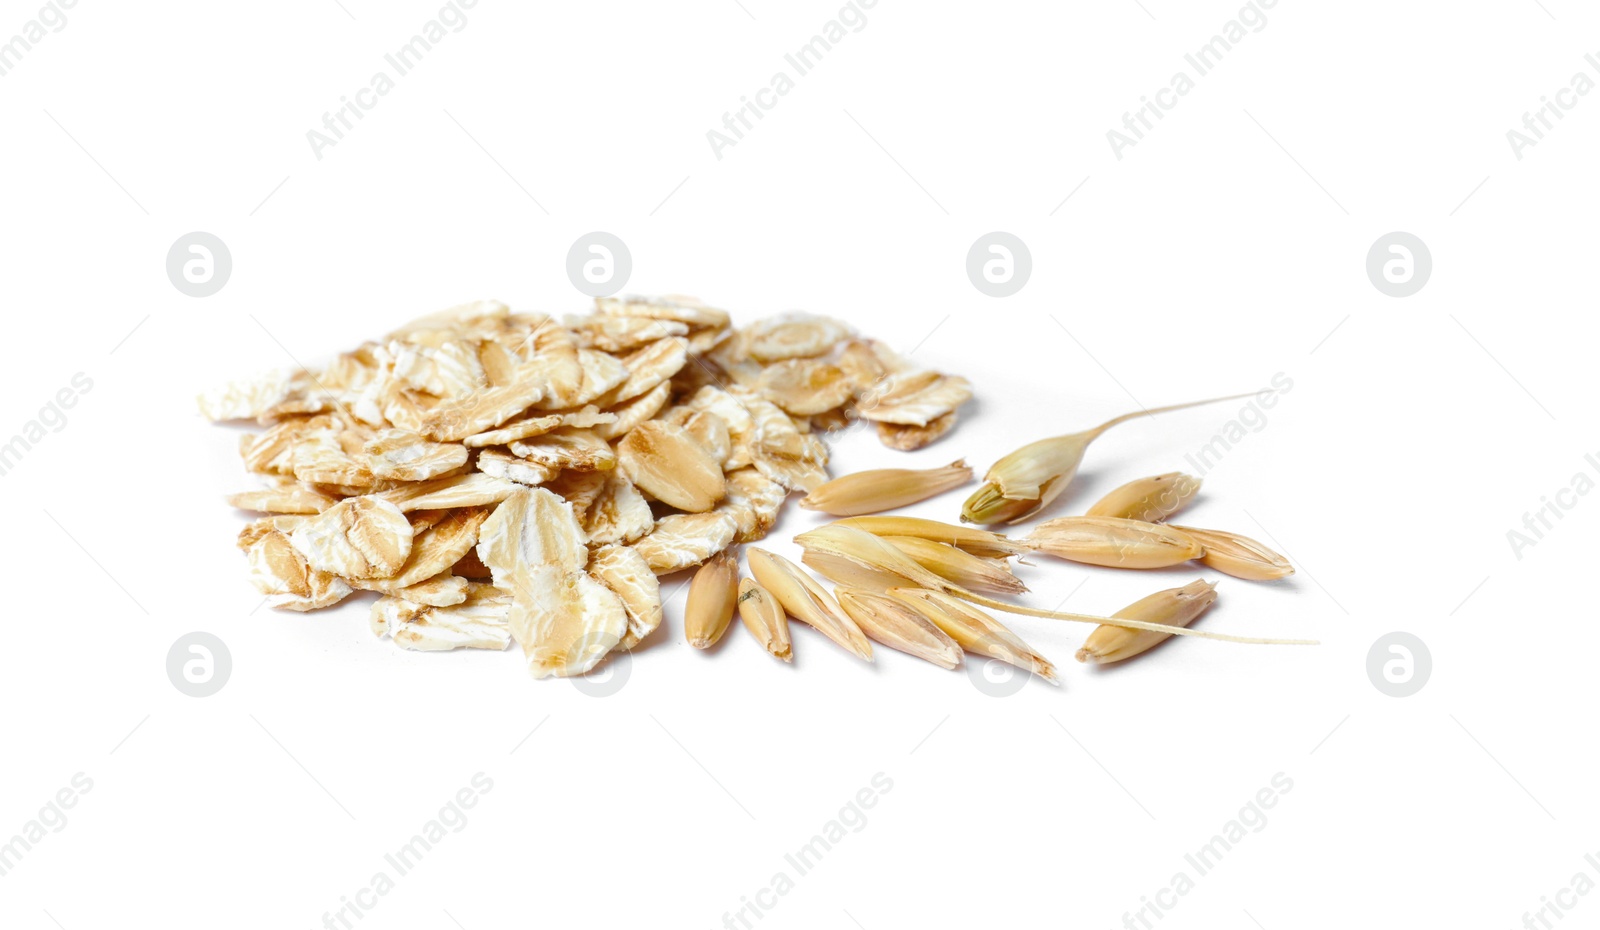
<point>496,476</point>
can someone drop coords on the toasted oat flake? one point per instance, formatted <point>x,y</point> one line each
<point>839,418</point>
<point>729,409</point>
<point>909,438</point>
<point>423,520</point>
<point>565,622</point>
<point>287,499</point>
<point>478,621</point>
<point>666,463</point>
<point>805,386</point>
<point>532,528</point>
<point>450,368</point>
<point>256,529</point>
<point>914,399</point>
<point>575,449</point>
<point>682,540</point>
<point>435,549</point>
<point>272,452</point>
<point>707,429</point>
<point>473,490</point>
<point>587,416</point>
<point>249,400</point>
<point>620,333</point>
<point>781,452</point>
<point>754,501</point>
<point>687,310</point>
<point>861,365</point>
<point>499,363</point>
<point>282,573</point>
<point>516,429</point>
<point>602,374</point>
<point>333,455</point>
<point>399,455</point>
<point>618,514</point>
<point>794,335</point>
<point>649,366</point>
<point>702,341</point>
<point>579,488</point>
<point>564,619</point>
<point>629,576</point>
<point>630,414</point>
<point>440,591</point>
<point>361,537</point>
<point>474,413</point>
<point>497,464</point>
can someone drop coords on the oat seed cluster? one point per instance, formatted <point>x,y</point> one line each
<point>499,476</point>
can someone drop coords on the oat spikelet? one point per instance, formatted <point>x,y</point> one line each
<point>881,565</point>
<point>763,616</point>
<point>846,544</point>
<point>1239,556</point>
<point>1174,607</point>
<point>897,626</point>
<point>975,541</point>
<point>806,601</point>
<point>884,489</point>
<point>713,596</point>
<point>975,631</point>
<point>963,568</point>
<point>1149,499</point>
<point>1113,542</point>
<point>1031,477</point>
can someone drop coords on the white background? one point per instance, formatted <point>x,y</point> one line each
<point>1227,246</point>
